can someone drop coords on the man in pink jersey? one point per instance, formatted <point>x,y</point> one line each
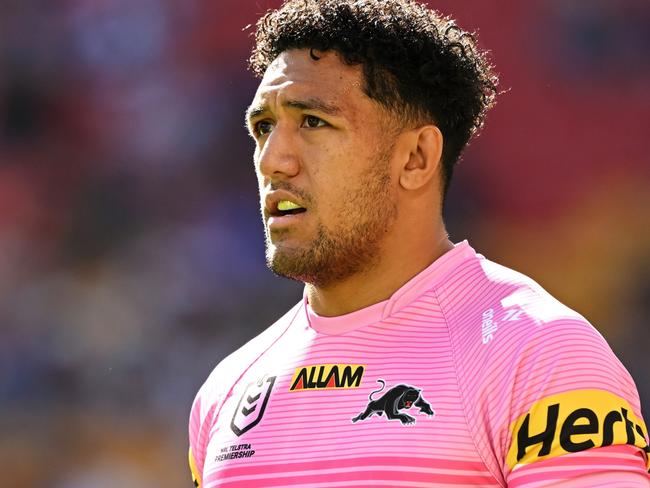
<point>410,361</point>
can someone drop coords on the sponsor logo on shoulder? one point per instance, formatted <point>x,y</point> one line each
<point>488,325</point>
<point>327,376</point>
<point>252,404</point>
<point>399,397</point>
<point>574,421</point>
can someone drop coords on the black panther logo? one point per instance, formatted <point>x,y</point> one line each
<point>398,398</point>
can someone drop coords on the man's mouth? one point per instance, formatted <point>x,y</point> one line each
<point>287,207</point>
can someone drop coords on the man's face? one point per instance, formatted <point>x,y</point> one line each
<point>322,160</point>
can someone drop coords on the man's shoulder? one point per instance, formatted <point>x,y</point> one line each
<point>507,329</point>
<point>497,301</point>
<point>501,320</point>
<point>230,368</point>
<point>260,343</point>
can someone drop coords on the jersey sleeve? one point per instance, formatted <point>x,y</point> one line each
<point>549,403</point>
<point>574,418</point>
<point>201,420</point>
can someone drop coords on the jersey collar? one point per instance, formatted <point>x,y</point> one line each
<point>412,289</point>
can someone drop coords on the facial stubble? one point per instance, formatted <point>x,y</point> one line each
<point>352,245</point>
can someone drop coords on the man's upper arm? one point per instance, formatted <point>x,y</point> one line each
<point>580,438</point>
<point>575,418</point>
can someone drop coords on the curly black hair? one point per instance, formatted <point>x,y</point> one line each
<point>416,63</point>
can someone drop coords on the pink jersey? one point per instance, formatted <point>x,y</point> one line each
<point>470,375</point>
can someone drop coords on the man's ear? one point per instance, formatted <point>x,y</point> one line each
<point>423,161</point>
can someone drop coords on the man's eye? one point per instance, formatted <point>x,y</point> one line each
<point>262,127</point>
<point>313,122</point>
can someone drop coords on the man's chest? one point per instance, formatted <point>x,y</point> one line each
<point>333,407</point>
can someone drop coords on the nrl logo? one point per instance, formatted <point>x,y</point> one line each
<point>251,406</point>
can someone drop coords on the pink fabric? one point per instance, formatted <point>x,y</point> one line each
<point>492,355</point>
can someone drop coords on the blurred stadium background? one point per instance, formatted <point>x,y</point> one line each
<point>131,255</point>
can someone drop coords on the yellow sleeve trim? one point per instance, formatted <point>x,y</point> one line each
<point>196,479</point>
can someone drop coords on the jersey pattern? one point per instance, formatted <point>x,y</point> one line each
<point>471,375</point>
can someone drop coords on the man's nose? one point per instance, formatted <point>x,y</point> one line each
<point>278,157</point>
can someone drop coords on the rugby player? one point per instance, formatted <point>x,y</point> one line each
<point>411,360</point>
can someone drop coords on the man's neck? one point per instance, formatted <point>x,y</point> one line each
<point>379,283</point>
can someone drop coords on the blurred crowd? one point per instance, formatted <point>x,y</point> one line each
<point>131,249</point>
